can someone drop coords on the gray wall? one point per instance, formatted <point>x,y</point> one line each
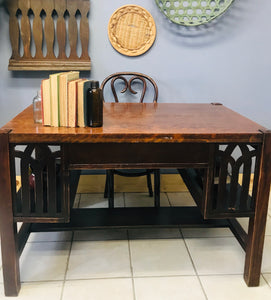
<point>228,61</point>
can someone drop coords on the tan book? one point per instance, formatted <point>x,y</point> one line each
<point>54,93</point>
<point>80,103</point>
<point>72,102</point>
<point>63,95</point>
<point>46,102</point>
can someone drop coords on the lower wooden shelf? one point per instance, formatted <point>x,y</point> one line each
<point>49,65</point>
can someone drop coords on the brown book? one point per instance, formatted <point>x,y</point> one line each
<point>46,102</point>
<point>80,103</point>
<point>72,102</point>
<point>63,95</point>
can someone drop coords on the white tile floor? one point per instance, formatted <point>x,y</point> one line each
<point>139,264</point>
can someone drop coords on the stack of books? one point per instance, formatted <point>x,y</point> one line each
<point>63,97</point>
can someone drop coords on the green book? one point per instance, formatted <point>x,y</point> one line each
<point>54,90</point>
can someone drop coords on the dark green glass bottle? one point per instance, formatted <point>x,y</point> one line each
<point>95,105</point>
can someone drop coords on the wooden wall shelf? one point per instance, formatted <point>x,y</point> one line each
<point>49,34</point>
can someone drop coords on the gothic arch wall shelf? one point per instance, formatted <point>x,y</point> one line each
<point>49,34</point>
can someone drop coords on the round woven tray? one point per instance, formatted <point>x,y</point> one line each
<point>193,12</point>
<point>131,30</point>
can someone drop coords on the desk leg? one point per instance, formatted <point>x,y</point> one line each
<point>10,255</point>
<point>256,230</point>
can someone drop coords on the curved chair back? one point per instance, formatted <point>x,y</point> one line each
<point>129,78</point>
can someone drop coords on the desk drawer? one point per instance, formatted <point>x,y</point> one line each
<point>107,155</point>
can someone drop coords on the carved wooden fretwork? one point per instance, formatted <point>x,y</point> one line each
<point>232,192</point>
<point>229,187</point>
<point>49,34</point>
<point>42,193</point>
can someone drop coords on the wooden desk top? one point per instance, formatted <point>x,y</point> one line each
<point>147,122</point>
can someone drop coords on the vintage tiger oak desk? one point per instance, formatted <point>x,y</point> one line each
<point>208,143</point>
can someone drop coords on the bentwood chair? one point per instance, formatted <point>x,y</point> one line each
<point>142,83</point>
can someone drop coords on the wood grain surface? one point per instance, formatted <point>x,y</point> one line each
<point>148,123</point>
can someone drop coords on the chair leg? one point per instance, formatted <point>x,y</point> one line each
<point>157,188</point>
<point>149,184</point>
<point>110,186</point>
<point>106,185</point>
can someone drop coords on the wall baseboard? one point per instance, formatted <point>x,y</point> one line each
<point>169,183</point>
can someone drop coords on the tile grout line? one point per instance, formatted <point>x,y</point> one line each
<point>67,266</point>
<point>265,280</point>
<point>69,255</point>
<point>79,200</point>
<point>131,266</point>
<point>207,237</point>
<point>202,288</point>
<point>139,276</point>
<point>168,199</point>
<point>169,204</point>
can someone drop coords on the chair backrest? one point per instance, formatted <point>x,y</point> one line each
<point>128,79</point>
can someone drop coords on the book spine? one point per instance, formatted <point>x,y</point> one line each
<point>42,103</point>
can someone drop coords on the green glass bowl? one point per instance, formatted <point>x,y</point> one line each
<point>193,12</point>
